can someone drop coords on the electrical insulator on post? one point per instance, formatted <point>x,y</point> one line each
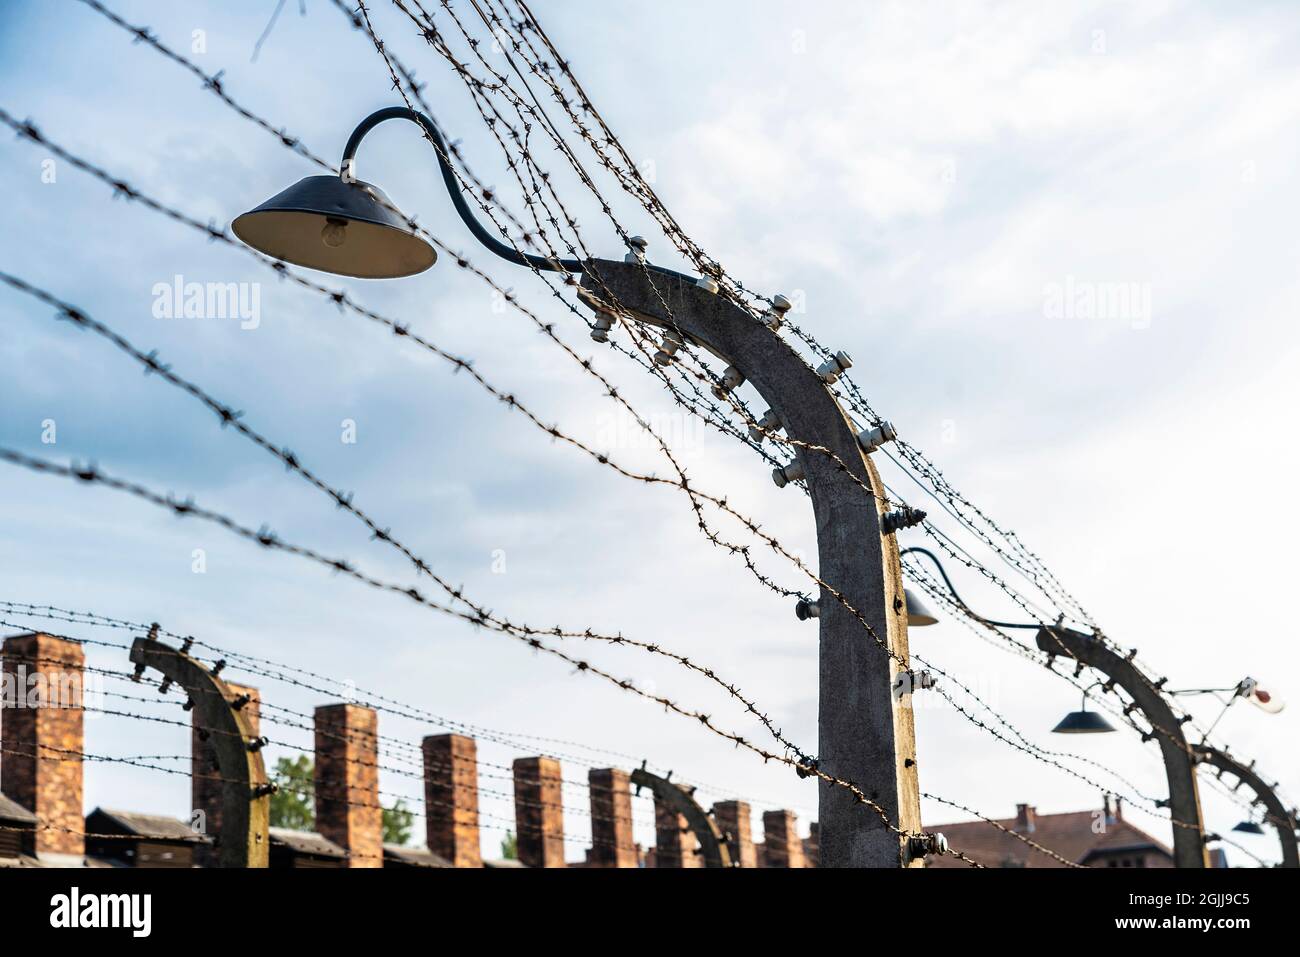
<point>787,474</point>
<point>804,610</point>
<point>768,423</point>
<point>732,378</point>
<point>904,517</point>
<point>636,250</point>
<point>874,438</point>
<point>600,328</point>
<point>774,315</point>
<point>834,367</point>
<point>708,284</point>
<point>923,845</point>
<point>909,682</point>
<point>672,341</point>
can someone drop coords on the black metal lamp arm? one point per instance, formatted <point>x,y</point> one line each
<point>947,581</point>
<point>453,187</point>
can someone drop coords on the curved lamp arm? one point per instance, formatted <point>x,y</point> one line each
<point>947,581</point>
<point>453,187</point>
<point>493,244</point>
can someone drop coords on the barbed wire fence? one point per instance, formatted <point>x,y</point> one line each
<point>688,381</point>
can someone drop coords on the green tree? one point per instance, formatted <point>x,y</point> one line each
<point>292,805</point>
<point>397,823</point>
<point>510,847</point>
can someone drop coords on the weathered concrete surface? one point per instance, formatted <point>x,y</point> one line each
<point>1180,768</point>
<point>865,734</point>
<point>245,816</point>
<point>1278,815</point>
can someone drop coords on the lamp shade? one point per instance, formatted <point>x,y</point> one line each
<point>346,228</point>
<point>1083,722</point>
<point>1249,827</point>
<point>918,615</point>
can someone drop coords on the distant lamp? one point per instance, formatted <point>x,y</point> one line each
<point>1261,698</point>
<point>1083,721</point>
<point>1249,827</point>
<point>918,615</point>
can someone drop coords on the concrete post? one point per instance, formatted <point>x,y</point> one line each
<point>1180,766</point>
<point>865,732</point>
<point>1278,815</point>
<point>680,822</point>
<point>245,794</point>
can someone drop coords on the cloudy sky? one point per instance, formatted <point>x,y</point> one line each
<point>938,187</point>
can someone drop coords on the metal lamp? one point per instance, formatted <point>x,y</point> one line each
<point>918,615</point>
<point>1083,721</point>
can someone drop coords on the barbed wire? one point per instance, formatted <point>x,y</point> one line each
<point>371,524</point>
<point>476,7</point>
<point>277,671</point>
<point>265,538</point>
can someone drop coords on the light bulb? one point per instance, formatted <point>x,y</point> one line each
<point>334,234</point>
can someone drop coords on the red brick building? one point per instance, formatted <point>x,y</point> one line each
<point>1098,838</point>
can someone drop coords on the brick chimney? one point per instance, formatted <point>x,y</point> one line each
<point>451,798</point>
<point>539,812</point>
<point>611,818</point>
<point>347,782</point>
<point>675,843</point>
<point>733,819</point>
<point>1025,818</point>
<point>812,845</point>
<point>205,776</point>
<point>42,731</point>
<point>1112,808</point>
<point>781,844</point>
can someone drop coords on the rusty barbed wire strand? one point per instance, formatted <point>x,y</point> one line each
<point>860,402</point>
<point>228,416</point>
<point>705,263</point>
<point>476,7</point>
<point>28,130</point>
<point>474,85</point>
<point>264,537</point>
<point>373,699</point>
<point>673,230</point>
<point>176,691</point>
<point>1006,830</point>
<point>733,548</point>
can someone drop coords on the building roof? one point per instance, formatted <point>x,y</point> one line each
<point>414,856</point>
<point>11,810</point>
<point>306,842</point>
<point>154,827</point>
<point>60,861</point>
<point>1071,835</point>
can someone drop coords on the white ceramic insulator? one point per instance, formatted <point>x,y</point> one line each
<point>604,323</point>
<point>872,439</point>
<point>787,474</point>
<point>768,423</point>
<point>732,378</point>
<point>834,367</point>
